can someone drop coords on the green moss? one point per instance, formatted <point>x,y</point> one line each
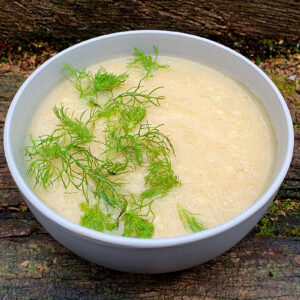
<point>286,87</point>
<point>266,227</point>
<point>269,44</point>
<point>258,60</point>
<point>23,207</point>
<point>276,209</point>
<point>289,190</point>
<point>281,219</point>
<point>294,231</point>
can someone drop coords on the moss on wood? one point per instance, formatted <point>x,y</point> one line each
<point>286,86</point>
<point>281,219</point>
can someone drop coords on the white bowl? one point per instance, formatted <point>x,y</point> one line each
<point>146,255</point>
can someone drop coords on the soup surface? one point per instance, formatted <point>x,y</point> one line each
<point>224,148</point>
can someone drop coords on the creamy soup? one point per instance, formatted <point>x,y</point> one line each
<point>223,142</point>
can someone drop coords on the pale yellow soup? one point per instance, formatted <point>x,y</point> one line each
<point>221,134</point>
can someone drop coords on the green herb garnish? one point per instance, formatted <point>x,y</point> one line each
<point>131,99</point>
<point>136,226</point>
<point>146,63</point>
<point>46,149</point>
<point>90,85</point>
<point>160,178</point>
<point>190,220</point>
<point>94,218</point>
<point>64,155</point>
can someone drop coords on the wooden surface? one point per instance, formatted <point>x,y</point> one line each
<point>264,265</point>
<point>77,20</point>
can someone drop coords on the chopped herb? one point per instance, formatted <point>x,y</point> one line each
<point>160,179</point>
<point>132,98</point>
<point>135,226</point>
<point>46,149</point>
<point>190,220</point>
<point>95,219</point>
<point>104,81</point>
<point>64,155</point>
<point>146,63</point>
<point>90,85</point>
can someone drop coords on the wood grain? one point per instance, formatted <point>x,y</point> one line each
<point>257,268</point>
<point>78,20</point>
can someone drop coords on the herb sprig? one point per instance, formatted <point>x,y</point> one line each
<point>190,220</point>
<point>64,155</point>
<point>146,63</point>
<point>89,85</point>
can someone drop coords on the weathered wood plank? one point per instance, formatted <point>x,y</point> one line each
<point>15,224</point>
<point>257,268</point>
<point>78,20</point>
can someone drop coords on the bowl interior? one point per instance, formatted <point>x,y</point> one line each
<point>42,80</point>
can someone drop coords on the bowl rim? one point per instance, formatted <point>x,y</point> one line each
<point>139,242</point>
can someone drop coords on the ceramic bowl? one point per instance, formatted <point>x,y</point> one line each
<point>146,255</point>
